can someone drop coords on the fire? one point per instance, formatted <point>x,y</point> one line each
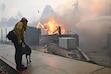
<point>96,8</point>
<point>51,26</point>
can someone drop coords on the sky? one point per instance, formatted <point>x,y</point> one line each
<point>90,19</point>
<point>27,8</point>
<point>30,8</point>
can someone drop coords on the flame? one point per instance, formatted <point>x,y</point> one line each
<point>51,26</point>
<point>96,8</point>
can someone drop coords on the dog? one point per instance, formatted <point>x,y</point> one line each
<point>27,51</point>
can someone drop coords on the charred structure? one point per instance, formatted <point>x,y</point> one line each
<point>34,37</point>
<point>47,39</point>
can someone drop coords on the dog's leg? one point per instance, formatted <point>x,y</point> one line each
<point>27,59</point>
<point>30,58</point>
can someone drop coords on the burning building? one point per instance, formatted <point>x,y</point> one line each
<point>55,32</point>
<point>52,27</point>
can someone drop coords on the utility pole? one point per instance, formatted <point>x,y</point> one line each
<point>2,24</point>
<point>6,34</point>
<point>1,36</point>
<point>3,8</point>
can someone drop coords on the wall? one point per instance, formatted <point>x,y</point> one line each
<point>32,35</point>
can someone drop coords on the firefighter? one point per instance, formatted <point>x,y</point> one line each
<point>19,30</point>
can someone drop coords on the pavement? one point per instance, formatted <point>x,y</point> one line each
<point>101,56</point>
<point>44,63</point>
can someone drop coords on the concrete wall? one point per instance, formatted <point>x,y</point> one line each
<point>32,35</point>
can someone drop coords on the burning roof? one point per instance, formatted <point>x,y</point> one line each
<point>51,26</point>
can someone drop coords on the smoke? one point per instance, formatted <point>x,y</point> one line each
<point>90,19</point>
<point>93,9</point>
<point>46,14</point>
<point>94,24</point>
<point>93,32</point>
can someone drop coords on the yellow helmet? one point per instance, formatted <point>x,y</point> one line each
<point>24,19</point>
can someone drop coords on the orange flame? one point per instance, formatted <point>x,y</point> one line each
<point>51,27</point>
<point>96,8</point>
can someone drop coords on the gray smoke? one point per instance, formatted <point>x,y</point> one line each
<point>91,20</point>
<point>46,14</point>
<point>93,32</point>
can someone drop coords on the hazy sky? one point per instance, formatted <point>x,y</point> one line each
<point>28,8</point>
<point>64,9</point>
